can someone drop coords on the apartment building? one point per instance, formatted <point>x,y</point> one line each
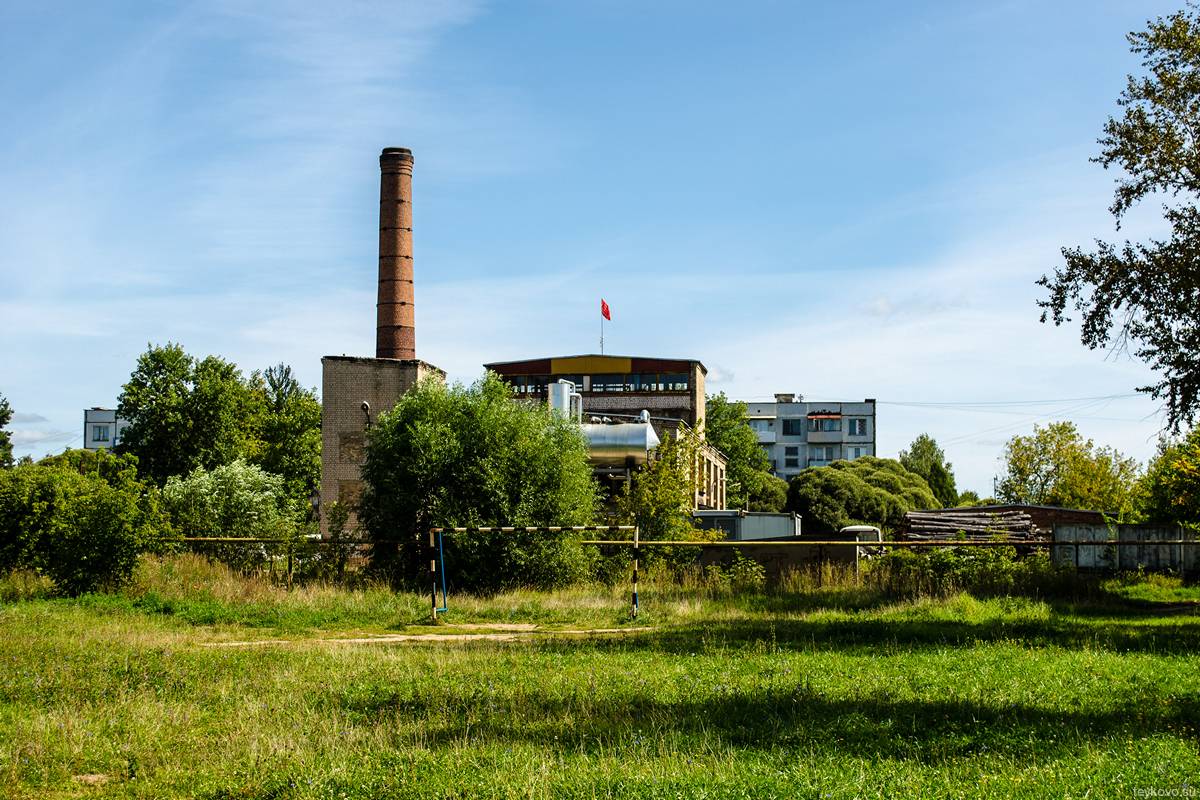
<point>798,434</point>
<point>102,428</point>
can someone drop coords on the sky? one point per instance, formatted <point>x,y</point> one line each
<point>841,200</point>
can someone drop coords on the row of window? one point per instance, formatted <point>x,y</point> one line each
<point>800,426</point>
<point>638,382</point>
<point>819,454</point>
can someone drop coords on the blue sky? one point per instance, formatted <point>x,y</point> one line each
<point>841,200</point>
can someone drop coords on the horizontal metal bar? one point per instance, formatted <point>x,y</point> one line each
<point>719,543</point>
<point>235,539</point>
<point>534,528</point>
<point>842,543</point>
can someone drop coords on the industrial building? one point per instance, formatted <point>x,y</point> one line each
<point>671,389</point>
<point>617,389</point>
<point>796,434</point>
<point>356,389</point>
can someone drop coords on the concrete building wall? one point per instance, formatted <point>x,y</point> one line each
<point>841,430</point>
<point>102,428</point>
<point>346,382</point>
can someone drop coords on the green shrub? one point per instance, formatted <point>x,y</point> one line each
<point>78,529</point>
<point>237,500</point>
<point>982,571</point>
<point>469,456</point>
<point>877,491</point>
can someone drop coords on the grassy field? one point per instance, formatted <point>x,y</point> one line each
<point>799,693</point>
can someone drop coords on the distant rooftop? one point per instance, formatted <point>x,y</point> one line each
<point>593,363</point>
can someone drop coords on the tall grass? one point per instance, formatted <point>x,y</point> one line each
<point>812,688</point>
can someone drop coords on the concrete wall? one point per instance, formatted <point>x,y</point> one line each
<point>346,382</point>
<point>107,419</point>
<point>1117,548</point>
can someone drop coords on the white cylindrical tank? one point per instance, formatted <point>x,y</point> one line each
<point>564,400</point>
<point>620,444</point>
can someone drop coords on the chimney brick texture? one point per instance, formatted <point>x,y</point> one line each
<point>396,332</point>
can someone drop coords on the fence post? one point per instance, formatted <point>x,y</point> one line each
<point>635,570</point>
<point>432,577</point>
<point>291,548</point>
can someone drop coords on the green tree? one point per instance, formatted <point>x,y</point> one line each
<point>286,439</point>
<point>120,472</point>
<point>467,456</point>
<point>969,497</point>
<point>659,496</point>
<point>236,500</point>
<point>1146,295</point>
<point>659,500</point>
<point>1056,466</point>
<point>82,531</point>
<point>6,448</point>
<point>183,413</point>
<point>925,458</point>
<point>186,413</point>
<point>875,491</point>
<point>727,428</point>
<point>1169,492</point>
<point>766,492</point>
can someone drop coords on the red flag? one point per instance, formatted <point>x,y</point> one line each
<point>604,312</point>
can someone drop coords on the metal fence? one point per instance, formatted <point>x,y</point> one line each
<point>1083,547</point>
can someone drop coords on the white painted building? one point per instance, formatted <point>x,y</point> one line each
<point>797,435</point>
<point>101,428</point>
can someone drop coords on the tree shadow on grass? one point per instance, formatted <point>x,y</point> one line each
<point>868,635</point>
<point>792,718</point>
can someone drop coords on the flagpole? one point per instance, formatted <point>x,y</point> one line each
<point>601,334</point>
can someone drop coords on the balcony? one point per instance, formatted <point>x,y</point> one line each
<point>766,437</point>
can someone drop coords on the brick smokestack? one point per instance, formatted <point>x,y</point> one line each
<point>396,331</point>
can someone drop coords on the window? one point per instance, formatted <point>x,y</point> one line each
<point>858,427</point>
<point>791,451</point>
<point>675,383</point>
<point>856,452</point>
<point>821,454</point>
<point>609,383</point>
<point>99,433</point>
<point>793,427</point>
<point>791,462</point>
<point>824,424</point>
<point>528,384</point>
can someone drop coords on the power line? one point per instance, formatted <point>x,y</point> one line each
<point>1001,403</point>
<point>960,403</point>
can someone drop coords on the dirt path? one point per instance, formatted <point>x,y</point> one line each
<point>498,633</point>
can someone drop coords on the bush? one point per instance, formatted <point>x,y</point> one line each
<point>471,456</point>
<point>238,500</point>
<point>81,531</point>
<point>877,491</point>
<point>982,571</point>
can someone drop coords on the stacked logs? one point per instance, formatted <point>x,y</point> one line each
<point>973,523</point>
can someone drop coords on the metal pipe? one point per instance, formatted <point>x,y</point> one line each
<point>815,543</point>
<point>635,572</point>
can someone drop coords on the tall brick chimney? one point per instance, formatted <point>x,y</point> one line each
<point>396,331</point>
